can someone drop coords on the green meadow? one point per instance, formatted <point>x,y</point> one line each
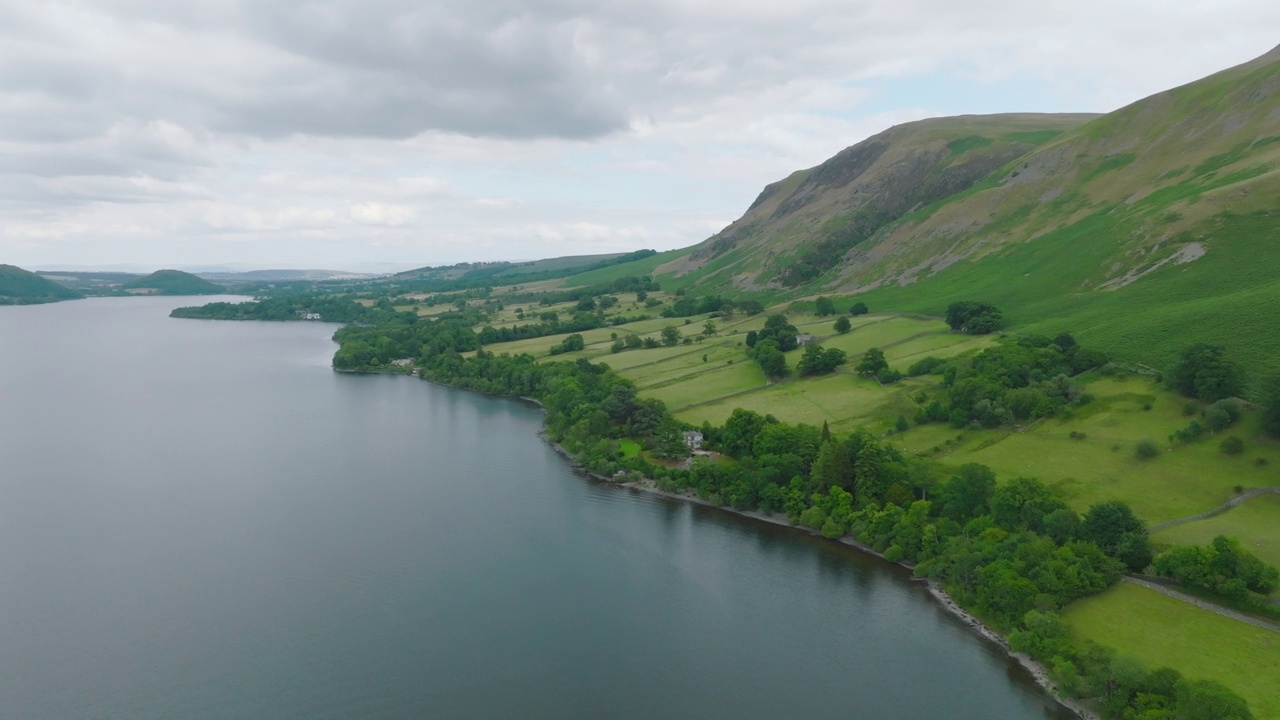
<point>1161,631</point>
<point>1256,523</point>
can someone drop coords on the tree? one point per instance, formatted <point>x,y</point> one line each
<point>782,332</point>
<point>843,325</point>
<point>752,338</point>
<point>708,329</point>
<point>968,493</point>
<point>974,318</point>
<point>1108,524</point>
<point>586,304</point>
<point>824,306</point>
<point>641,296</point>
<point>872,362</point>
<point>1209,700</point>
<point>1203,371</point>
<point>771,359</point>
<point>817,361</point>
<point>670,336</point>
<point>859,308</point>
<point>1271,406</point>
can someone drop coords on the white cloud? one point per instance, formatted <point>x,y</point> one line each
<point>354,131</point>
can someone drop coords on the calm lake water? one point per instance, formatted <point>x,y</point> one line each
<point>202,520</point>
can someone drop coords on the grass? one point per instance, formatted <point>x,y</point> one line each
<point>845,401</point>
<point>1102,466</point>
<point>1256,523</point>
<point>1162,631</point>
<point>708,386</point>
<point>629,448</point>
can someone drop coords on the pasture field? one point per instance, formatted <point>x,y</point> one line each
<point>707,386</point>
<point>1256,523</point>
<point>1102,466</point>
<point>843,400</point>
<point>1161,631</point>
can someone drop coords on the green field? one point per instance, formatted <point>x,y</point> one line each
<point>843,400</point>
<point>1256,523</point>
<point>1102,466</point>
<point>1162,631</point>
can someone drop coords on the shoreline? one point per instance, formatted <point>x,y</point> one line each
<point>1038,672</point>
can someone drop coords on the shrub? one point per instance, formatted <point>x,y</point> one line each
<point>1077,435</point>
<point>926,366</point>
<point>1222,414</point>
<point>1188,434</point>
<point>902,425</point>
<point>1188,409</point>
<point>893,553</point>
<point>1146,449</point>
<point>1231,446</point>
<point>888,376</point>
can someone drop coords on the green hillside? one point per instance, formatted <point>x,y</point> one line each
<point>1142,230</point>
<point>172,282</point>
<point>20,287</point>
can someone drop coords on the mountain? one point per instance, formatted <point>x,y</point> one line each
<point>173,282</point>
<point>20,287</point>
<point>1142,230</point>
<point>801,227</point>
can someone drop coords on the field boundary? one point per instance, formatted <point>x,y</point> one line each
<point>1203,604</point>
<point>1233,502</point>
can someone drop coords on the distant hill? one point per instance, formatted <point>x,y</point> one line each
<point>20,287</point>
<point>254,276</point>
<point>1142,230</point>
<point>172,282</point>
<point>485,270</point>
<point>90,283</point>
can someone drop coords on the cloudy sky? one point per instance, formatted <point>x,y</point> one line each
<point>354,134</point>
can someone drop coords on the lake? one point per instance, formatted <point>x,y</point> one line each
<point>202,520</point>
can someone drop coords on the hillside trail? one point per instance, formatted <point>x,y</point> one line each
<point>1204,604</point>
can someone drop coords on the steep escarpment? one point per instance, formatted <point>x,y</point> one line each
<point>800,228</point>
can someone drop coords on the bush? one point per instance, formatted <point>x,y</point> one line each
<point>926,366</point>
<point>893,553</point>
<point>1222,415</point>
<point>888,376</point>
<point>1188,434</point>
<point>1146,449</point>
<point>1231,446</point>
<point>1077,435</point>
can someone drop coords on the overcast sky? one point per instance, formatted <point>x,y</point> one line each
<point>345,134</point>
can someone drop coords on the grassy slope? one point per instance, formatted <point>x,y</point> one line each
<point>856,191</point>
<point>1162,631</point>
<point>18,285</point>
<point>1052,237</point>
<point>1256,522</point>
<point>1102,466</point>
